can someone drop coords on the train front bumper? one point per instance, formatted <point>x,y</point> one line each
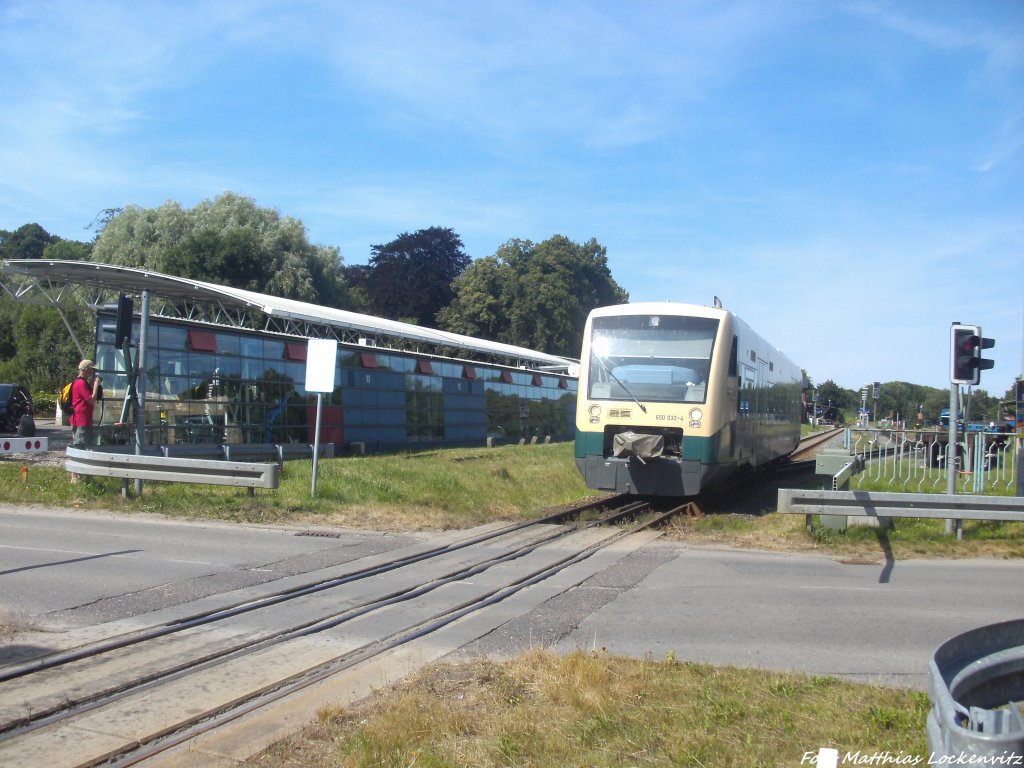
<point>664,476</point>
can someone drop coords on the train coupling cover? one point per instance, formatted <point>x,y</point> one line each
<point>641,446</point>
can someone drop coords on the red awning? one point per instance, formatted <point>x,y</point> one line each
<point>295,350</point>
<point>202,341</point>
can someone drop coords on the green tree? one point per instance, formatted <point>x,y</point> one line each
<point>534,295</point>
<point>411,277</point>
<point>902,400</point>
<point>44,354</point>
<point>482,296</point>
<point>29,241</point>
<point>981,406</point>
<point>68,250</point>
<point>35,347</point>
<point>356,277</point>
<point>837,402</point>
<point>229,240</point>
<point>934,401</point>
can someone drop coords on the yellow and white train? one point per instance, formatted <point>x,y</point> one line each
<point>673,398</point>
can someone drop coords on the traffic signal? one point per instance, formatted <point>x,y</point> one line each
<point>966,362</point>
<point>123,329</point>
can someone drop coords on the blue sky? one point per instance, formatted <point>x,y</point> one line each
<point>846,176</point>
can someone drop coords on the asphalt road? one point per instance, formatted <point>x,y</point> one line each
<point>62,570</point>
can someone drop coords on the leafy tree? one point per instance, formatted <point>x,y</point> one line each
<point>981,406</point>
<point>534,295</point>
<point>356,277</point>
<point>977,406</point>
<point>101,219</point>
<point>901,400</point>
<point>35,347</point>
<point>142,237</point>
<point>8,342</point>
<point>68,250</point>
<point>411,277</point>
<point>837,402</point>
<point>934,401</point>
<point>229,240</point>
<point>480,308</point>
<point>43,354</point>
<point>914,404</point>
<point>28,241</point>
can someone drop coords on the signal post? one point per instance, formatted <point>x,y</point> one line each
<point>965,366</point>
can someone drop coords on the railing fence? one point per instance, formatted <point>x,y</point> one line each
<point>918,460</point>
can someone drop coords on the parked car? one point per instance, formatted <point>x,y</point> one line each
<point>16,412</point>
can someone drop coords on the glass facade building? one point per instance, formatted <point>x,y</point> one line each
<point>210,385</point>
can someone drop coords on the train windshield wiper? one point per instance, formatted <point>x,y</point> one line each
<point>617,381</point>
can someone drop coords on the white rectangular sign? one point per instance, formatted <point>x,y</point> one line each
<point>321,362</point>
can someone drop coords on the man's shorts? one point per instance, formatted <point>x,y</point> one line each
<point>83,437</point>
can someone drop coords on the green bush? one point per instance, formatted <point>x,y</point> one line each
<point>45,404</point>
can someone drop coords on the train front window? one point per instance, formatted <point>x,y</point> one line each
<point>654,358</point>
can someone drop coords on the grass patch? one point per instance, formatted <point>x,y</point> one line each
<point>908,539</point>
<point>996,486</point>
<point>591,709</point>
<point>457,488</point>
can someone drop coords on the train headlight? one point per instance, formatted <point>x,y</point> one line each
<point>595,413</point>
<point>696,414</point>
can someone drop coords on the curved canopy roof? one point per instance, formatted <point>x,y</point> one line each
<point>47,281</point>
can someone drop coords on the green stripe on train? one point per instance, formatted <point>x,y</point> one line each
<point>702,449</point>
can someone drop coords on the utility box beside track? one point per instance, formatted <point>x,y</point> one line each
<point>834,464</point>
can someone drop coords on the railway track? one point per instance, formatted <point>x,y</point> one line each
<point>134,696</point>
<point>808,446</point>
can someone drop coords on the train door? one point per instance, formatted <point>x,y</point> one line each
<point>761,415</point>
<point>748,382</point>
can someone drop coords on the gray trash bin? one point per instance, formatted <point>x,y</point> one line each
<point>976,685</point>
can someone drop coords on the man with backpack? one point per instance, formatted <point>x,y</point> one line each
<point>83,396</point>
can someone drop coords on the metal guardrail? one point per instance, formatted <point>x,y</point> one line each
<point>976,685</point>
<point>281,452</point>
<point>871,504</point>
<point>175,469</point>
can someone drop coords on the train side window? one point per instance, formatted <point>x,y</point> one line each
<point>749,377</point>
<point>733,353</point>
